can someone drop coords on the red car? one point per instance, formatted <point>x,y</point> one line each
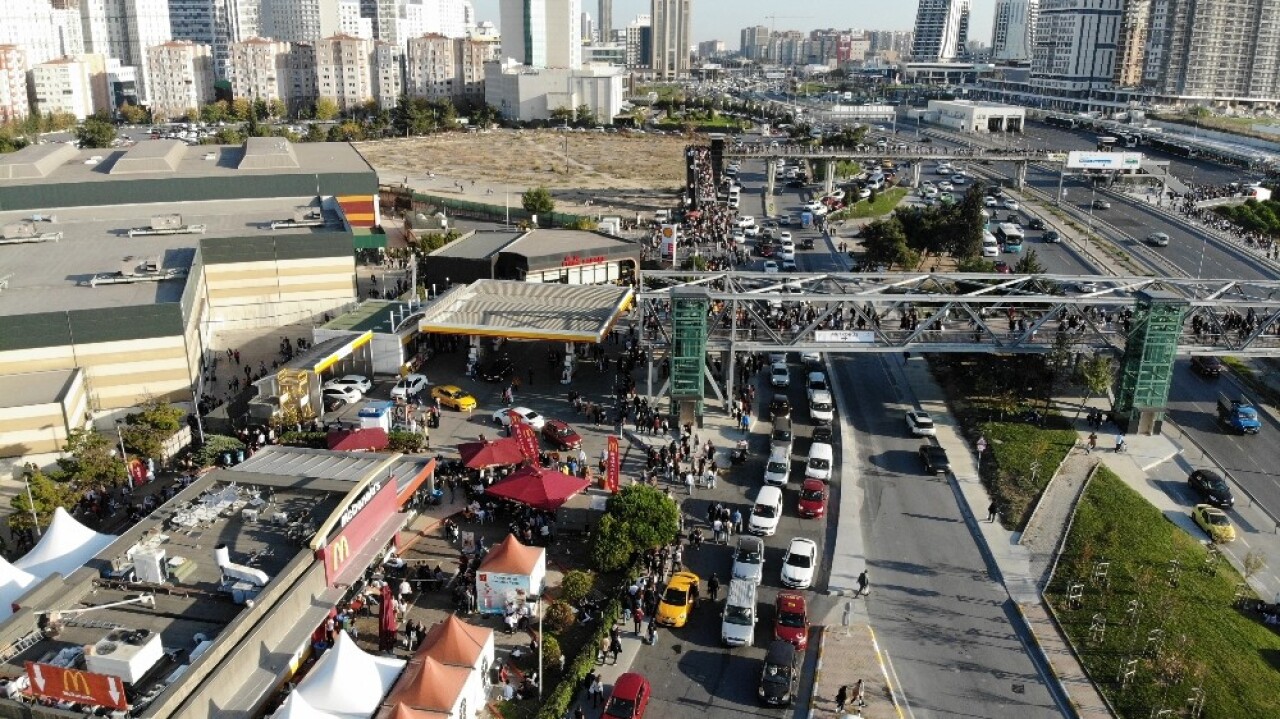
<point>813,498</point>
<point>792,622</point>
<point>766,250</point>
<point>561,435</point>
<point>630,697</point>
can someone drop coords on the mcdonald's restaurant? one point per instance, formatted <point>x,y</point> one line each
<point>212,603</point>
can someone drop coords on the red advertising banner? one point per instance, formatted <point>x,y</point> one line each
<point>613,465</point>
<point>76,685</point>
<point>526,439</point>
<point>361,520</point>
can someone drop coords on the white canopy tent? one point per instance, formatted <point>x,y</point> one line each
<point>347,681</point>
<point>65,547</point>
<point>295,707</point>
<point>13,584</point>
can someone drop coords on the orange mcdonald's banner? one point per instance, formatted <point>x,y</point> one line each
<point>526,438</point>
<point>613,465</point>
<point>75,685</point>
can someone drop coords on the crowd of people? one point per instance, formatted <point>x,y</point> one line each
<point>1188,206</point>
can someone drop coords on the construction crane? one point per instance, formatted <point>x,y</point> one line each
<point>773,20</point>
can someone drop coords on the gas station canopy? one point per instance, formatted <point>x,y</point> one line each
<point>528,310</point>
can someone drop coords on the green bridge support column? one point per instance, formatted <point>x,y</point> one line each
<point>689,307</point>
<point>1146,369</point>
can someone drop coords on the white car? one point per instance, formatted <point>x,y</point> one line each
<point>814,206</point>
<point>770,267</point>
<point>346,394</point>
<point>1012,204</point>
<point>745,221</point>
<point>777,469</point>
<point>354,381</point>
<point>811,357</point>
<point>528,416</point>
<point>751,231</point>
<point>929,192</point>
<point>748,559</point>
<point>946,186</point>
<point>822,409</point>
<point>740,237</point>
<point>865,193</point>
<point>989,201</point>
<point>409,386</point>
<point>788,252</point>
<point>958,179</point>
<point>766,512</point>
<point>920,423</point>
<point>837,194</point>
<point>779,375</point>
<point>799,563</point>
<point>816,382</point>
<point>789,265</point>
<point>784,237</point>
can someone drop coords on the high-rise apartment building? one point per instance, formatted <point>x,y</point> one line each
<point>344,71</point>
<point>388,73</point>
<point>63,85</point>
<point>1223,49</point>
<point>639,42</point>
<point>259,70</point>
<point>302,77</point>
<point>216,23</point>
<point>448,68</point>
<point>13,84</point>
<point>181,78</point>
<point>542,33</point>
<point>604,21</point>
<point>351,22</point>
<point>1131,42</point>
<point>1074,49</point>
<point>710,48</point>
<point>1013,30</point>
<point>753,41</point>
<point>451,18</point>
<point>587,29</point>
<point>942,30</point>
<point>300,20</point>
<point>124,29</point>
<point>44,31</point>
<point>670,38</point>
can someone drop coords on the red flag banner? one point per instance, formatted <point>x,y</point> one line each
<point>613,465</point>
<point>527,439</point>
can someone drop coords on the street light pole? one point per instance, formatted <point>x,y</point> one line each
<point>540,642</point>
<point>35,520</point>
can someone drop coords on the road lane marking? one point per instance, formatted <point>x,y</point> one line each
<point>882,658</point>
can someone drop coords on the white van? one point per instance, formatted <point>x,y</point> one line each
<point>767,511</point>
<point>738,625</point>
<point>778,468</point>
<point>990,245</point>
<point>818,465</point>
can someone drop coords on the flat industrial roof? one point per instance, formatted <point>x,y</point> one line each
<point>481,245</point>
<point>527,310</point>
<point>188,527</point>
<point>338,466</point>
<point>47,276</point>
<point>24,390</point>
<point>55,163</point>
<point>538,243</point>
<point>375,315</point>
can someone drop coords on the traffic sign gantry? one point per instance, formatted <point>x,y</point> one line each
<point>76,685</point>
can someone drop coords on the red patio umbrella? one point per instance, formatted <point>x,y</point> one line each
<point>387,626</point>
<point>482,454</point>
<point>538,488</point>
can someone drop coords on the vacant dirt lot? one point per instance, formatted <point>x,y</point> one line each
<point>609,169</point>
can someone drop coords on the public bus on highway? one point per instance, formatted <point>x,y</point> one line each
<point>1107,143</point>
<point>1009,235</point>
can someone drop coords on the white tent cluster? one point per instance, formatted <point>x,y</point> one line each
<point>65,547</point>
<point>347,682</point>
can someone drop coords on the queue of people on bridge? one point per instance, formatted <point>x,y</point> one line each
<point>899,150</point>
<point>1187,205</point>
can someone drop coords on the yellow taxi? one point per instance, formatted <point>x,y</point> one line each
<point>678,600</point>
<point>454,397</point>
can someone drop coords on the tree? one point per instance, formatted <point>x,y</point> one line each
<point>967,224</point>
<point>276,108</point>
<point>559,616</point>
<point>576,585</point>
<point>315,133</point>
<point>47,493</point>
<point>215,112</point>
<point>484,116</point>
<point>349,131</point>
<point>1097,372</point>
<point>538,201</point>
<point>229,136</point>
<point>326,109</point>
<point>145,431</point>
<point>886,244</point>
<point>1029,264</point>
<point>586,118</point>
<point>133,114</point>
<point>96,131</point>
<point>637,519</point>
<point>91,459</point>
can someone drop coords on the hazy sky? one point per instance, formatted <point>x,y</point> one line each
<point>722,19</point>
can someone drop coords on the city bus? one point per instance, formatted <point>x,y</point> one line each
<point>1107,143</point>
<point>1009,235</point>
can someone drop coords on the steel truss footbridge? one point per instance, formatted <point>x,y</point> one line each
<point>694,321</point>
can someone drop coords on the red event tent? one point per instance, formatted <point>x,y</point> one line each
<point>538,488</point>
<point>478,455</point>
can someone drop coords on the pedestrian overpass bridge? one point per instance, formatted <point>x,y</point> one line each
<point>689,317</point>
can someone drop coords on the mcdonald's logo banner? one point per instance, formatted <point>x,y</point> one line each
<point>613,464</point>
<point>76,685</point>
<point>346,544</point>
<point>526,439</point>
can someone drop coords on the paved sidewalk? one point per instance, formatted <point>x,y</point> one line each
<point>845,655</point>
<point>611,670</point>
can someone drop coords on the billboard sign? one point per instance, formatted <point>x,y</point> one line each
<point>76,685</point>
<point>1109,161</point>
<point>613,464</point>
<point>374,506</point>
<point>861,336</point>
<point>670,237</point>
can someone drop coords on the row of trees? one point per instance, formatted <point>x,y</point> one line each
<point>910,233</point>
<point>1261,217</point>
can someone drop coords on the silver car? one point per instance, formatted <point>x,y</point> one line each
<point>748,559</point>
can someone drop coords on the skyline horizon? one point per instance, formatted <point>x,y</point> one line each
<point>733,17</point>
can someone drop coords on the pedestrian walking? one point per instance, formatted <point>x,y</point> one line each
<point>597,692</point>
<point>859,699</point>
<point>1119,443</point>
<point>863,583</point>
<point>638,617</point>
<point>991,512</point>
<point>842,697</point>
<point>1093,443</point>
<point>615,648</point>
<point>713,587</point>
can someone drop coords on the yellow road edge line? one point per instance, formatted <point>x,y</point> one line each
<point>884,671</point>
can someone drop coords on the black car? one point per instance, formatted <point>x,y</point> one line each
<point>806,243</point>
<point>1207,365</point>
<point>822,433</point>
<point>778,678</point>
<point>780,406</point>
<point>1036,223</point>
<point>935,459</point>
<point>795,183</point>
<point>496,370</point>
<point>1211,487</point>
<point>1052,237</point>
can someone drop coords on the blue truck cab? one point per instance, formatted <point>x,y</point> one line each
<point>1238,414</point>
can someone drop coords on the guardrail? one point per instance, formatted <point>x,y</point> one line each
<point>1253,501</point>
